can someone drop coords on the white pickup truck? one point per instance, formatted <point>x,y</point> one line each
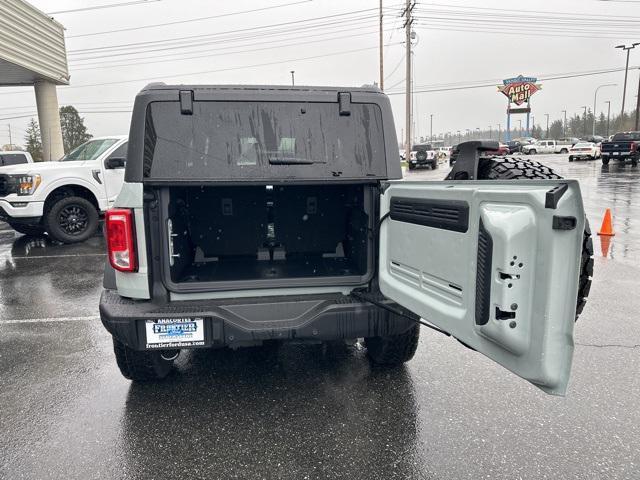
<point>547,146</point>
<point>66,198</point>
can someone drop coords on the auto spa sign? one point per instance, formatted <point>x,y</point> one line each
<point>519,89</point>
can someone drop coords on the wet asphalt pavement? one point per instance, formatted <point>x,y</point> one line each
<point>307,412</point>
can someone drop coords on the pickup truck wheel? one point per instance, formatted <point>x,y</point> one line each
<point>570,158</point>
<point>393,350</point>
<point>521,169</point>
<point>140,366</point>
<point>605,161</point>
<point>411,167</point>
<point>29,230</point>
<point>71,219</point>
<point>564,150</point>
<point>533,151</point>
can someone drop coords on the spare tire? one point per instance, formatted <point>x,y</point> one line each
<point>521,169</point>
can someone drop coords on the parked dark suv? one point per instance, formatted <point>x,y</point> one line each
<point>261,213</point>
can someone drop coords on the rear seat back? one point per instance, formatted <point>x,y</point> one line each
<point>228,220</point>
<point>310,219</point>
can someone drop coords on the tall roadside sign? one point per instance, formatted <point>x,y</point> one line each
<point>518,91</point>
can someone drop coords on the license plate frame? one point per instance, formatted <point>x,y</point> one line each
<point>183,332</point>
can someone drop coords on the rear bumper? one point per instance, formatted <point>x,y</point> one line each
<point>620,155</point>
<point>235,322</point>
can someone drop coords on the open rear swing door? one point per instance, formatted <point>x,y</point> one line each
<point>493,263</point>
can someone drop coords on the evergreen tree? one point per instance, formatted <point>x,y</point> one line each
<point>74,132</point>
<point>32,140</point>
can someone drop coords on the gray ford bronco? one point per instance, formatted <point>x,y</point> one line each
<point>260,213</point>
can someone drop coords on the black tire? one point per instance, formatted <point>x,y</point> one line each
<point>533,151</point>
<point>570,158</point>
<point>521,169</point>
<point>563,151</point>
<point>434,165</point>
<point>393,350</point>
<point>29,230</point>
<point>411,167</point>
<point>605,161</point>
<point>71,219</point>
<point>140,366</point>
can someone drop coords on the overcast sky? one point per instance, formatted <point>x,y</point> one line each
<point>458,42</point>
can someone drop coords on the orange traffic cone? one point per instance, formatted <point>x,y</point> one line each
<point>606,228</point>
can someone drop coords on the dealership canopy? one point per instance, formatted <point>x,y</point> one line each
<point>32,52</point>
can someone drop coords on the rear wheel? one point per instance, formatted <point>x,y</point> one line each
<point>533,151</point>
<point>564,150</point>
<point>605,161</point>
<point>411,166</point>
<point>570,158</point>
<point>393,350</point>
<point>521,169</point>
<point>141,366</point>
<point>29,230</point>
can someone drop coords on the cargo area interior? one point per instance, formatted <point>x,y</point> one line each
<point>262,232</point>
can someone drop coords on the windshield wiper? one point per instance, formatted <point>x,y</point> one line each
<point>290,161</point>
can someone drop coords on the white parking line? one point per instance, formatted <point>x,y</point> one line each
<point>49,320</point>
<point>60,256</point>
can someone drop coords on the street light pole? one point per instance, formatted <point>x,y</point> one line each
<point>293,77</point>
<point>608,102</point>
<point>431,129</point>
<point>499,131</point>
<point>584,129</point>
<point>595,102</point>
<point>490,136</point>
<point>564,125</point>
<point>520,127</point>
<point>628,49</point>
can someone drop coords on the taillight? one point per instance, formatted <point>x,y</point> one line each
<point>121,246</point>
<point>634,146</point>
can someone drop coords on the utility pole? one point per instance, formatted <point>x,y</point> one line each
<point>499,132</point>
<point>293,77</point>
<point>407,26</point>
<point>584,129</point>
<point>10,139</point>
<point>608,102</point>
<point>626,48</point>
<point>564,125</point>
<point>490,135</point>
<point>381,51</point>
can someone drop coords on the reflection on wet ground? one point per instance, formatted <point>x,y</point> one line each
<point>300,411</point>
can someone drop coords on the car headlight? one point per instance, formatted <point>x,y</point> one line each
<point>25,184</point>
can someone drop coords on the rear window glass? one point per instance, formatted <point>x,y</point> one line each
<point>626,136</point>
<point>12,159</point>
<point>227,140</point>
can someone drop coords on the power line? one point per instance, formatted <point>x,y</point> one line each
<point>226,51</point>
<point>242,30</point>
<point>100,7</point>
<point>82,112</point>
<point>222,41</point>
<point>493,84</point>
<point>198,19</point>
